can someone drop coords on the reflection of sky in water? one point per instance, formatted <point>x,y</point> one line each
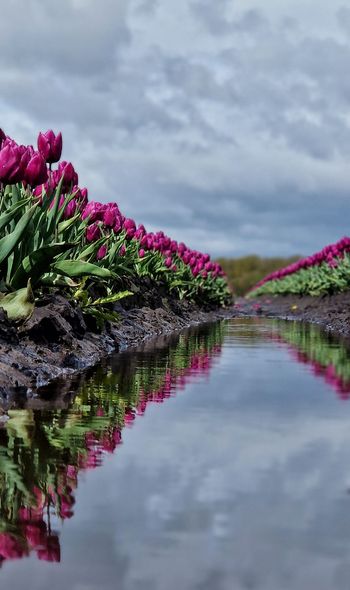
<point>240,481</point>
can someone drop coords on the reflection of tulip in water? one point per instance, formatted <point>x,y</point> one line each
<point>99,419</point>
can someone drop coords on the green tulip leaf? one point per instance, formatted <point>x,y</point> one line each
<point>112,298</point>
<point>38,263</point>
<point>79,268</point>
<point>8,243</point>
<point>19,305</point>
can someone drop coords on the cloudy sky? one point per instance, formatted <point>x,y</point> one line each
<point>226,124</point>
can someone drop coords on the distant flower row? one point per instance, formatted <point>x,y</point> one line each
<point>325,271</point>
<point>104,224</point>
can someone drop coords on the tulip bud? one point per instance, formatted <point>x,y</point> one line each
<point>93,233</point>
<point>80,197</point>
<point>84,195</point>
<point>101,252</point>
<point>70,175</point>
<point>70,209</point>
<point>141,253</point>
<point>36,171</point>
<point>50,146</point>
<point>118,226</point>
<point>110,216</point>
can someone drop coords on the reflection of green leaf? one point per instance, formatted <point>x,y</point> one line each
<point>40,444</point>
<point>317,346</point>
<point>20,425</point>
<point>13,475</point>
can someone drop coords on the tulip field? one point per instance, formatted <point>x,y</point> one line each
<point>52,236</point>
<point>327,271</point>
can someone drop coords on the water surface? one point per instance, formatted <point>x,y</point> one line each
<point>218,459</point>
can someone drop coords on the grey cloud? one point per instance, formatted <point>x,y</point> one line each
<point>69,36</point>
<point>218,21</point>
<point>235,144</point>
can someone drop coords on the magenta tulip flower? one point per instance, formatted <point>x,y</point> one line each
<point>12,163</point>
<point>36,171</point>
<point>94,211</point>
<point>130,227</point>
<point>118,226</point>
<point>93,233</point>
<point>111,215</point>
<point>11,547</point>
<point>50,146</point>
<point>52,550</point>
<point>67,170</point>
<point>101,252</point>
<point>70,209</point>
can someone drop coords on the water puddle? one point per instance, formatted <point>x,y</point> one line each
<point>216,459</point>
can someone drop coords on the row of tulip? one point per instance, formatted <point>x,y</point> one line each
<point>52,234</point>
<point>324,272</point>
<point>325,357</point>
<point>41,456</point>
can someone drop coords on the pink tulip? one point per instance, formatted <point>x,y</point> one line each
<point>129,224</point>
<point>70,209</point>
<point>101,252</point>
<point>94,211</point>
<point>111,214</point>
<point>50,146</point>
<point>35,533</point>
<point>36,172</point>
<point>66,169</point>
<point>93,233</point>
<point>52,551</point>
<point>12,164</point>
<point>11,547</point>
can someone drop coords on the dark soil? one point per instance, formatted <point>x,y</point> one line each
<point>59,343</point>
<point>331,312</point>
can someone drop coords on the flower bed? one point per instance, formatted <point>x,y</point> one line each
<point>52,236</point>
<point>327,271</point>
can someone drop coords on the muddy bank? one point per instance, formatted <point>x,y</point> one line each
<point>331,312</point>
<point>59,341</point>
